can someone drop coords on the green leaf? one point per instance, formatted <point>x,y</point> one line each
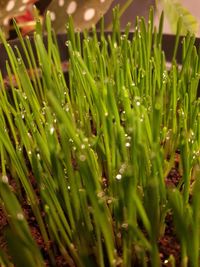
<point>174,10</point>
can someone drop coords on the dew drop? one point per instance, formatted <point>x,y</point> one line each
<point>128,137</point>
<point>72,246</point>
<point>29,135</point>
<point>166,261</point>
<point>24,96</point>
<point>19,61</point>
<point>19,148</point>
<point>42,187</point>
<point>127,144</point>
<point>67,43</point>
<point>109,201</point>
<point>84,72</point>
<point>52,129</point>
<point>118,177</point>
<point>138,103</point>
<point>20,216</point>
<point>125,225</point>
<point>46,208</point>
<point>67,108</point>
<point>100,194</point>
<point>122,169</point>
<point>82,157</point>
<point>4,179</point>
<point>123,115</point>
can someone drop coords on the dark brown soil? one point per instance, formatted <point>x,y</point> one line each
<point>168,244</point>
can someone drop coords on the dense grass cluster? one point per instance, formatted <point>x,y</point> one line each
<point>100,147</point>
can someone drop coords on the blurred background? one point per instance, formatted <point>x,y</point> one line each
<point>88,12</point>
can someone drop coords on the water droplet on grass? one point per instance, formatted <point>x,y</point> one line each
<point>166,261</point>
<point>128,137</point>
<point>100,194</point>
<point>118,177</point>
<point>19,148</point>
<point>84,72</point>
<point>72,246</point>
<point>138,103</point>
<point>164,76</point>
<point>127,144</point>
<point>29,135</point>
<point>4,179</point>
<point>123,115</point>
<point>24,96</point>
<point>109,201</point>
<point>67,43</point>
<point>19,61</point>
<point>46,208</point>
<point>20,216</point>
<point>122,168</point>
<point>67,108</point>
<point>52,129</point>
<point>82,157</point>
<point>124,225</point>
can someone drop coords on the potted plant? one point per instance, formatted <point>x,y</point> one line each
<point>101,168</point>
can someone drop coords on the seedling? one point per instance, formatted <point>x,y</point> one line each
<point>91,154</point>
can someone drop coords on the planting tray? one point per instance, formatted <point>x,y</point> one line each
<point>168,42</point>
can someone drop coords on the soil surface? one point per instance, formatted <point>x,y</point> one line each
<point>168,244</point>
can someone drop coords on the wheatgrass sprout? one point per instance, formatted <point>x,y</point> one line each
<point>92,154</point>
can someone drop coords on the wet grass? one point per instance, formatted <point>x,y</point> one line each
<point>100,147</point>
